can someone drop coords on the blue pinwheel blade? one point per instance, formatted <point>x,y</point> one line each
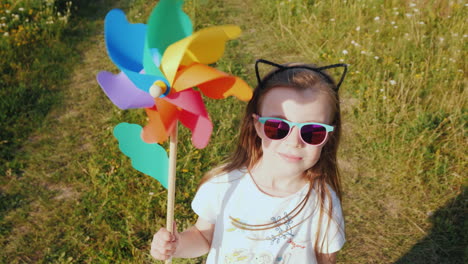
<point>124,41</point>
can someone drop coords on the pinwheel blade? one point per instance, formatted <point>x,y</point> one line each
<point>193,115</point>
<point>205,46</point>
<point>124,41</point>
<point>122,92</point>
<point>151,159</point>
<point>212,82</point>
<point>168,24</point>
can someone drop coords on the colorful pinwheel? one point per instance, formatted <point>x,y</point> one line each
<point>160,64</point>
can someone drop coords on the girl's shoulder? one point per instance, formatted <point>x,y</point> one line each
<point>228,177</point>
<point>334,197</point>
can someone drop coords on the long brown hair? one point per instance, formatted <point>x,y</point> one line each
<point>249,148</point>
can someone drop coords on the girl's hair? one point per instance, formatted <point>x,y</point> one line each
<point>249,148</point>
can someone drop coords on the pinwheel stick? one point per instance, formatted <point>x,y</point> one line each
<point>171,182</point>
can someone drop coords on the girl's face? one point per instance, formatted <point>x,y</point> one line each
<point>291,155</point>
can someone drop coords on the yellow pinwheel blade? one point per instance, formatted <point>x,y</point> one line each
<point>205,46</point>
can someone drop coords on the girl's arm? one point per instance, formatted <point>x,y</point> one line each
<point>326,258</point>
<point>196,240</point>
<point>192,243</point>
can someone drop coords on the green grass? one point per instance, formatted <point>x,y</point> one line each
<point>69,196</point>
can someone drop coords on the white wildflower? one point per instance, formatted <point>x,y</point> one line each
<point>151,193</point>
<point>332,19</point>
<point>341,60</point>
<point>392,82</point>
<point>355,43</point>
<point>395,26</point>
<point>408,15</point>
<point>384,97</point>
<point>377,18</point>
<point>412,4</point>
<point>345,52</point>
<point>421,23</point>
<point>396,13</point>
<point>6,34</point>
<point>393,22</point>
<point>21,9</point>
<point>358,28</point>
<point>376,57</point>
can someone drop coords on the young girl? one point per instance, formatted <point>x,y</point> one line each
<point>277,199</point>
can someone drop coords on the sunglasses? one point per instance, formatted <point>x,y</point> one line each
<point>311,133</point>
<point>318,70</point>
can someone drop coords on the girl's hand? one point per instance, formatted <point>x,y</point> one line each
<point>164,244</point>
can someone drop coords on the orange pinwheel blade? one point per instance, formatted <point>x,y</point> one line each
<point>212,82</point>
<point>162,119</point>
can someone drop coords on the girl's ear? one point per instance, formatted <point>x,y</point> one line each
<point>257,125</point>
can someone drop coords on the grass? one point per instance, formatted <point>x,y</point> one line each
<point>31,47</point>
<point>69,196</point>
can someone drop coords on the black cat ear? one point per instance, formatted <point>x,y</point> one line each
<point>319,70</point>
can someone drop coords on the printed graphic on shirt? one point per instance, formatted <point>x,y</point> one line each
<point>241,256</point>
<point>284,231</point>
<point>271,238</point>
<point>247,256</point>
<point>275,236</point>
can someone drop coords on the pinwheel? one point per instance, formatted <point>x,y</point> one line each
<point>161,63</point>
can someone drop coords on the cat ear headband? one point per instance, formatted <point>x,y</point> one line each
<point>318,70</point>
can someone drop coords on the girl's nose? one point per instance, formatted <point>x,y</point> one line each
<point>294,138</point>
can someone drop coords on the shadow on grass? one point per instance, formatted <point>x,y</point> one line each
<point>447,243</point>
<point>31,81</point>
<point>31,76</point>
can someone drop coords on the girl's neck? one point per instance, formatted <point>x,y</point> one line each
<point>274,182</point>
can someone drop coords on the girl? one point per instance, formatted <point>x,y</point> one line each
<point>277,199</point>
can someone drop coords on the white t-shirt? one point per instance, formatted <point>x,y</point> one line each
<point>234,195</point>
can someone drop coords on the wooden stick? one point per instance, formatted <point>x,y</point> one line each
<point>171,182</point>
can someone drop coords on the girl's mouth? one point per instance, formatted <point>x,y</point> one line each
<point>290,157</point>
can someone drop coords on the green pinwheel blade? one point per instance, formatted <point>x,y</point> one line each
<point>167,24</point>
<point>151,159</point>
